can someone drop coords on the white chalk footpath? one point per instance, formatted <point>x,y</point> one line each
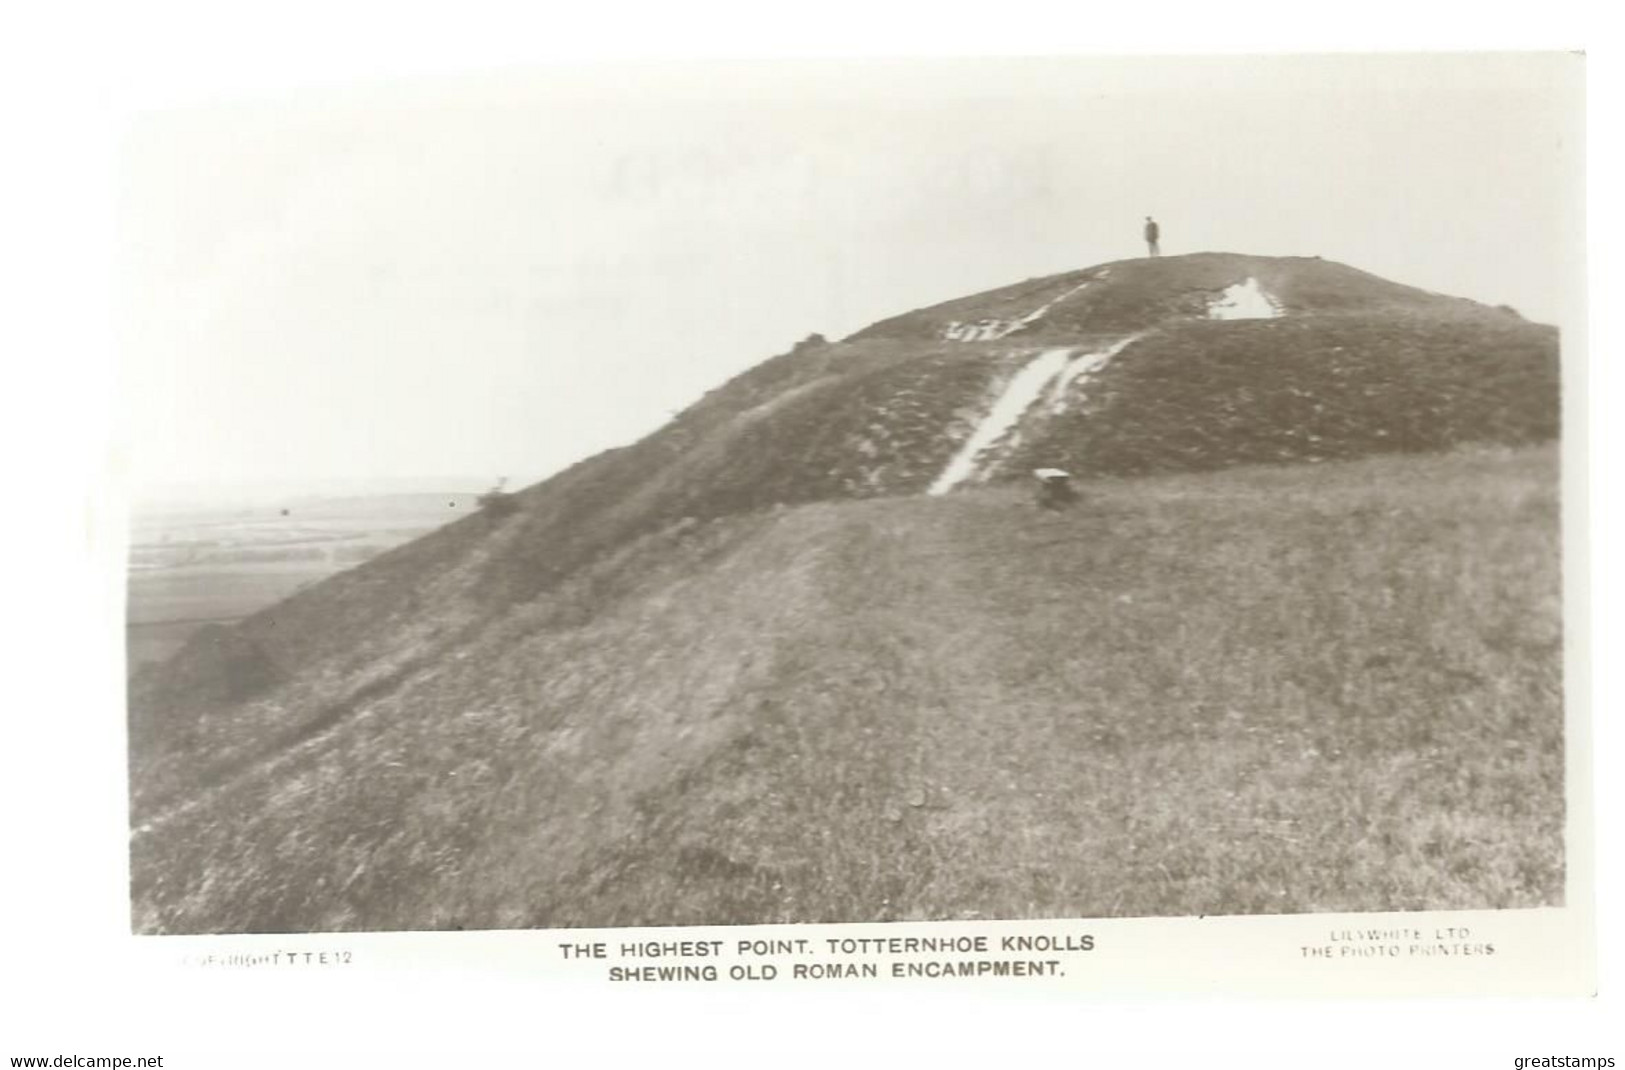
<point>991,329</point>
<point>1059,371</point>
<point>1080,369</point>
<point>1243,301</point>
<point>1054,369</point>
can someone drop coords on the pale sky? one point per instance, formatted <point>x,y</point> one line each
<point>500,275</point>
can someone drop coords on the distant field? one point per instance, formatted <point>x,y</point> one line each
<point>195,566</point>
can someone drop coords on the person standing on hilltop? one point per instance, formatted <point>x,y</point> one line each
<point>1153,234</point>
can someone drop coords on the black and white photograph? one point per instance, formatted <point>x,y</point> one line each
<point>838,492</point>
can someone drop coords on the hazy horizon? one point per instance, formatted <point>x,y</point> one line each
<point>506,274</point>
<point>250,493</point>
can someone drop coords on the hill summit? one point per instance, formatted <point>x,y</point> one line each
<point>613,672</point>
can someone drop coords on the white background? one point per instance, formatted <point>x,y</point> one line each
<point>71,70</point>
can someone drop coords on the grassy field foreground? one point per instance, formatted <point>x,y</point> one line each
<point>1311,688</point>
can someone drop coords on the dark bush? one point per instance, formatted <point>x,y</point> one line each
<point>497,503</point>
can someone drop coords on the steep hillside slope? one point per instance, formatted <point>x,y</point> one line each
<point>1152,373</point>
<point>956,707</point>
<point>1138,368</point>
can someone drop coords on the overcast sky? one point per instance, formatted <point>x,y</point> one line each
<point>500,275</point>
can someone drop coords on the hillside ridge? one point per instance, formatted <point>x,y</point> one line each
<point>1133,369</point>
<point>840,711</point>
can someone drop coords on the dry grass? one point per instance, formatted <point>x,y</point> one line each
<point>1331,687</point>
<point>1360,366</point>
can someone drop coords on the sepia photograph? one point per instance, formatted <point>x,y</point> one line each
<point>636,495</point>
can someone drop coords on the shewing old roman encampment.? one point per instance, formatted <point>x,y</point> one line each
<point>1190,583</point>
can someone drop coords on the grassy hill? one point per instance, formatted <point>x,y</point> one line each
<point>744,669</point>
<point>956,707</point>
<point>1134,295</point>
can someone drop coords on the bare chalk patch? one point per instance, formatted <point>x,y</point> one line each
<point>1080,369</point>
<point>988,330</point>
<point>1024,388</point>
<point>1243,301</point>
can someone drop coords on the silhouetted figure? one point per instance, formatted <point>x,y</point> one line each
<point>1153,234</point>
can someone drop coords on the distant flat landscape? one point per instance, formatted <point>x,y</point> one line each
<point>194,565</point>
